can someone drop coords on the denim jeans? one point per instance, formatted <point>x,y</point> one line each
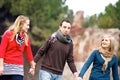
<point>11,77</point>
<point>45,75</point>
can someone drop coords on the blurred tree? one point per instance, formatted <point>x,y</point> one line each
<point>111,17</point>
<point>45,16</point>
<point>90,21</point>
<point>104,21</point>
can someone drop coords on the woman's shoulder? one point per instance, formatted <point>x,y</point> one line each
<point>95,51</point>
<point>114,56</point>
<point>8,33</point>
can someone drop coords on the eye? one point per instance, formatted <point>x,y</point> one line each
<point>106,40</point>
<point>69,27</point>
<point>64,26</point>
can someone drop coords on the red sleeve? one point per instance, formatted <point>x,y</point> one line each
<point>28,52</point>
<point>4,43</point>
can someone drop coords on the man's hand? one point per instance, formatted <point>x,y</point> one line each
<point>77,77</point>
<point>75,74</point>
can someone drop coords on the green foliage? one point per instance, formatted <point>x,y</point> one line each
<point>91,21</point>
<point>111,17</point>
<point>104,21</point>
<point>45,15</point>
<point>86,22</point>
<point>1,3</point>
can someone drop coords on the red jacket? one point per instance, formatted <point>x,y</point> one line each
<point>11,52</point>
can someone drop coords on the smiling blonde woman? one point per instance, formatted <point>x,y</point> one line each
<point>103,60</point>
<point>14,42</point>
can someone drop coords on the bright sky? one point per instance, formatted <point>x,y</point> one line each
<point>89,7</point>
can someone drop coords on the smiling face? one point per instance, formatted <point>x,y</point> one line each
<point>25,26</point>
<point>105,43</point>
<point>65,28</point>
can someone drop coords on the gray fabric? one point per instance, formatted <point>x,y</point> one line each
<point>64,39</point>
<point>13,69</point>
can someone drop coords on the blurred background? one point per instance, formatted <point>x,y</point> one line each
<point>45,16</point>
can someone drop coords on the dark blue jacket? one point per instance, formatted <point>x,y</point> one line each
<point>96,71</point>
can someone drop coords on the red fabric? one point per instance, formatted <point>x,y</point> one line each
<point>11,52</point>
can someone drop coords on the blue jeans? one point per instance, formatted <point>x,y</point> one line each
<point>11,77</point>
<point>45,75</point>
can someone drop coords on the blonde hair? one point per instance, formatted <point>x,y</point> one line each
<point>111,47</point>
<point>107,54</point>
<point>16,27</point>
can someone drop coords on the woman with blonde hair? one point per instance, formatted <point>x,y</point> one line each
<point>14,42</point>
<point>103,59</point>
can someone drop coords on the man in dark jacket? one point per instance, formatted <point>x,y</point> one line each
<point>56,51</point>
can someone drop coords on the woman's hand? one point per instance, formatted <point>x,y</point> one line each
<point>1,66</point>
<point>79,78</point>
<point>1,70</point>
<point>32,71</point>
